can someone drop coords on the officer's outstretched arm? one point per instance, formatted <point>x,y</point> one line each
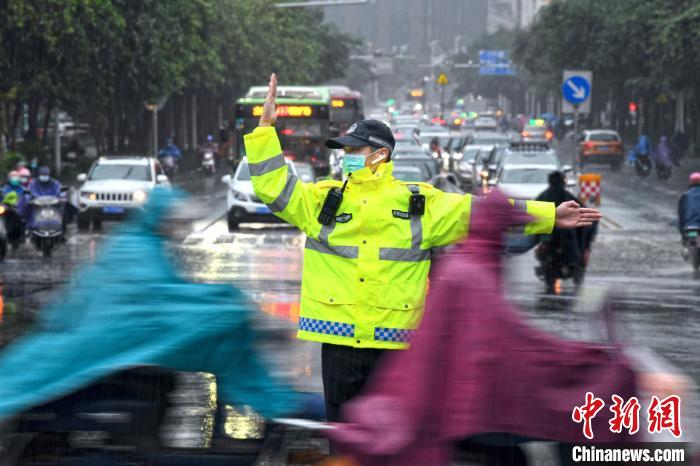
<point>449,215</point>
<point>287,197</point>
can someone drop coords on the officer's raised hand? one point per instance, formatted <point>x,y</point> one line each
<point>269,114</point>
<point>571,215</point>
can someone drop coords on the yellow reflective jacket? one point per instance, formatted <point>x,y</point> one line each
<point>364,279</point>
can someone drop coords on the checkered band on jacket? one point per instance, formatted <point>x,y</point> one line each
<point>392,334</point>
<point>325,326</point>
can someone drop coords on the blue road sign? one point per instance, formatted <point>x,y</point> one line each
<point>503,70</point>
<point>576,89</point>
<point>493,56</point>
<point>495,63</point>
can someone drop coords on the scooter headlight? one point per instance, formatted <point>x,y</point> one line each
<point>140,196</point>
<point>46,214</point>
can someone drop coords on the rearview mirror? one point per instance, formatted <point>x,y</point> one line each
<point>570,182</point>
<point>226,179</point>
<point>567,168</point>
<point>82,178</point>
<point>493,182</point>
<point>160,179</point>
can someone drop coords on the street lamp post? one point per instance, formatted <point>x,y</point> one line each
<point>154,107</point>
<point>57,144</point>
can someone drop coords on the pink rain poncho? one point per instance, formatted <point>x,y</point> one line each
<point>475,366</point>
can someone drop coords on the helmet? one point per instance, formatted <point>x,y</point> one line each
<point>694,179</point>
<point>13,174</point>
<point>24,173</point>
<point>44,170</point>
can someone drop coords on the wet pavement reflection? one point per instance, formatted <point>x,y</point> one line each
<point>636,255</point>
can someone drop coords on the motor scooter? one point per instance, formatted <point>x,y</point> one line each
<point>48,228</point>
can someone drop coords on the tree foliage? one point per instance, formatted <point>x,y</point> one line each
<point>102,59</point>
<point>638,49</point>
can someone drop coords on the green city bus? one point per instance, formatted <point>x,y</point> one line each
<point>302,122</point>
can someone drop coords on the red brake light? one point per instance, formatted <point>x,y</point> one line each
<point>525,134</point>
<point>588,145</point>
<point>549,135</point>
<point>287,131</point>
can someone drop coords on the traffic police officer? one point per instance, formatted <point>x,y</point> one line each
<point>367,252</point>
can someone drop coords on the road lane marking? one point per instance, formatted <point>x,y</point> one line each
<point>610,224</point>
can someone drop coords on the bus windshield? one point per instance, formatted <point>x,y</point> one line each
<point>344,112</point>
<point>303,122</point>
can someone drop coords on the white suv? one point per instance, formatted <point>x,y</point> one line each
<point>116,185</point>
<point>243,204</point>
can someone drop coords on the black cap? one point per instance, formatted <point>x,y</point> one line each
<point>364,133</point>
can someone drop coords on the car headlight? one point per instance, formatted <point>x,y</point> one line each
<point>139,196</point>
<point>88,195</point>
<point>457,156</point>
<point>239,195</point>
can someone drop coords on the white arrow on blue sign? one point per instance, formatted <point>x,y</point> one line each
<point>576,89</point>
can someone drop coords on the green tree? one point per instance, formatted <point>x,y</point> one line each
<point>102,59</point>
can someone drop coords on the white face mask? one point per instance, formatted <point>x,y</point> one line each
<point>44,178</point>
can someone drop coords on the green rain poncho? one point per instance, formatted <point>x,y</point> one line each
<point>131,308</point>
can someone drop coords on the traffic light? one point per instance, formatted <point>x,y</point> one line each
<point>390,102</point>
<point>632,107</point>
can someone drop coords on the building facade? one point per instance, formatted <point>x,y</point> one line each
<point>511,14</point>
<point>408,27</point>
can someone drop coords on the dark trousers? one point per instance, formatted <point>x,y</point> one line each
<point>345,371</point>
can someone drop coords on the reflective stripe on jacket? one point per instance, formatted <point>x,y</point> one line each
<point>365,274</point>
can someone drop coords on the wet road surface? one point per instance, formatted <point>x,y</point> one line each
<point>636,254</point>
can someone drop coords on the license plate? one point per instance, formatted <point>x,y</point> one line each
<point>604,148</point>
<point>692,234</point>
<point>113,210</point>
<point>263,210</point>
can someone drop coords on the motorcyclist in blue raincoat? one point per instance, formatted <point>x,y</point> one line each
<point>170,149</point>
<point>44,185</point>
<point>643,148</point>
<point>689,204</point>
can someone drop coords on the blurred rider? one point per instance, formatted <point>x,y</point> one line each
<point>170,149</point>
<point>25,177</point>
<point>44,185</point>
<point>16,192</point>
<point>574,246</point>
<point>689,204</point>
